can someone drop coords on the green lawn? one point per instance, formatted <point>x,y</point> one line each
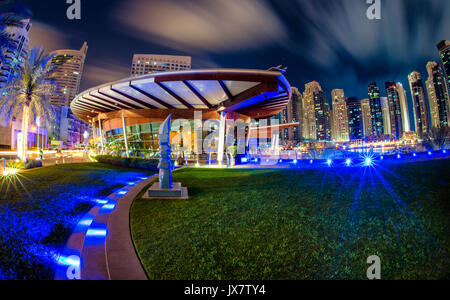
<point>39,208</point>
<point>294,224</point>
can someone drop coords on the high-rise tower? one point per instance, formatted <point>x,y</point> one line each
<point>376,110</point>
<point>404,107</point>
<point>437,95</point>
<point>339,116</point>
<point>395,112</point>
<point>444,52</point>
<point>366,116</point>
<point>15,57</point>
<point>355,125</point>
<point>421,119</point>
<point>151,63</point>
<point>69,69</point>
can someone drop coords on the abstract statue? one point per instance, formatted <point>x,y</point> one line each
<point>165,163</point>
<point>165,189</point>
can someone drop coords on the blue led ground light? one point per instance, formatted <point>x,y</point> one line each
<point>361,160</point>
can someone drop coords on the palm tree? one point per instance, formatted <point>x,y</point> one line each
<point>11,15</point>
<point>29,93</point>
<point>437,138</point>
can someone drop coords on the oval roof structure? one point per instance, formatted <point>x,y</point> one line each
<point>254,93</point>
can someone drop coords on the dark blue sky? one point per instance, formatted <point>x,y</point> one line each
<point>330,41</point>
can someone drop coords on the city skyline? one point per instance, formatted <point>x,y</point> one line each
<point>349,65</point>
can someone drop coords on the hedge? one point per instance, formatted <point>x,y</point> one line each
<point>135,163</point>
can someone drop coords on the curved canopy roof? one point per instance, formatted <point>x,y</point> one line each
<point>254,93</point>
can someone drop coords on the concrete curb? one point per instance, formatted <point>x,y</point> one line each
<point>101,247</point>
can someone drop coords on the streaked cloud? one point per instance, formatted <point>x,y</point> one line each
<point>97,74</point>
<point>48,37</point>
<point>407,33</point>
<point>202,25</point>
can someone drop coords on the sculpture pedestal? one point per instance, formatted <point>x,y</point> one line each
<point>176,192</point>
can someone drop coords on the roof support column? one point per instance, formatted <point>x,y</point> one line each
<point>125,135</point>
<point>222,126</point>
<point>101,133</point>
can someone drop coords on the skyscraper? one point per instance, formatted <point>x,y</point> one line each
<point>421,119</point>
<point>437,95</point>
<point>339,116</point>
<point>386,116</point>
<point>69,68</point>
<point>323,118</point>
<point>404,107</point>
<point>293,113</point>
<point>355,126</point>
<point>366,116</point>
<point>376,110</point>
<point>444,52</point>
<point>395,111</point>
<point>151,63</point>
<point>69,65</point>
<point>309,113</point>
<point>15,57</point>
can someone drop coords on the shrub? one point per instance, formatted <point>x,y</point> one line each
<point>135,163</point>
<point>22,165</point>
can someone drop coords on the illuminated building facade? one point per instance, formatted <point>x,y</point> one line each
<point>395,111</point>
<point>376,110</point>
<point>317,117</point>
<point>69,66</point>
<point>339,116</point>
<point>438,96</point>
<point>421,119</point>
<point>366,116</point>
<point>444,53</point>
<point>151,63</point>
<point>404,107</point>
<point>129,112</point>
<point>355,125</point>
<point>293,114</point>
<point>15,57</point>
<point>309,111</point>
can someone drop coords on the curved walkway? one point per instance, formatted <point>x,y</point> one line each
<point>101,247</point>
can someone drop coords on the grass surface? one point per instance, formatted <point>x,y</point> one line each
<point>294,224</point>
<point>39,209</point>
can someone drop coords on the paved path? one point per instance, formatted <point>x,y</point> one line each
<point>101,247</point>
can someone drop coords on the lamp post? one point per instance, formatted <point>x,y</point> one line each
<point>38,123</point>
<point>86,136</point>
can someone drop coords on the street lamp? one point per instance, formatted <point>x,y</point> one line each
<point>86,136</point>
<point>38,123</point>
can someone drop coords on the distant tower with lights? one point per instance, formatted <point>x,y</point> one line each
<point>69,66</point>
<point>404,107</point>
<point>395,111</point>
<point>376,110</point>
<point>339,116</point>
<point>317,113</point>
<point>152,63</point>
<point>437,95</point>
<point>444,53</point>
<point>421,118</point>
<point>366,116</point>
<point>355,125</point>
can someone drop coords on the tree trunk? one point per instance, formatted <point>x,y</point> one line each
<point>25,120</point>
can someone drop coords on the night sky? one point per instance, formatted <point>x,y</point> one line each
<point>330,41</point>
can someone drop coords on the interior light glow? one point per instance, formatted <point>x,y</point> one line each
<point>348,162</point>
<point>368,162</point>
